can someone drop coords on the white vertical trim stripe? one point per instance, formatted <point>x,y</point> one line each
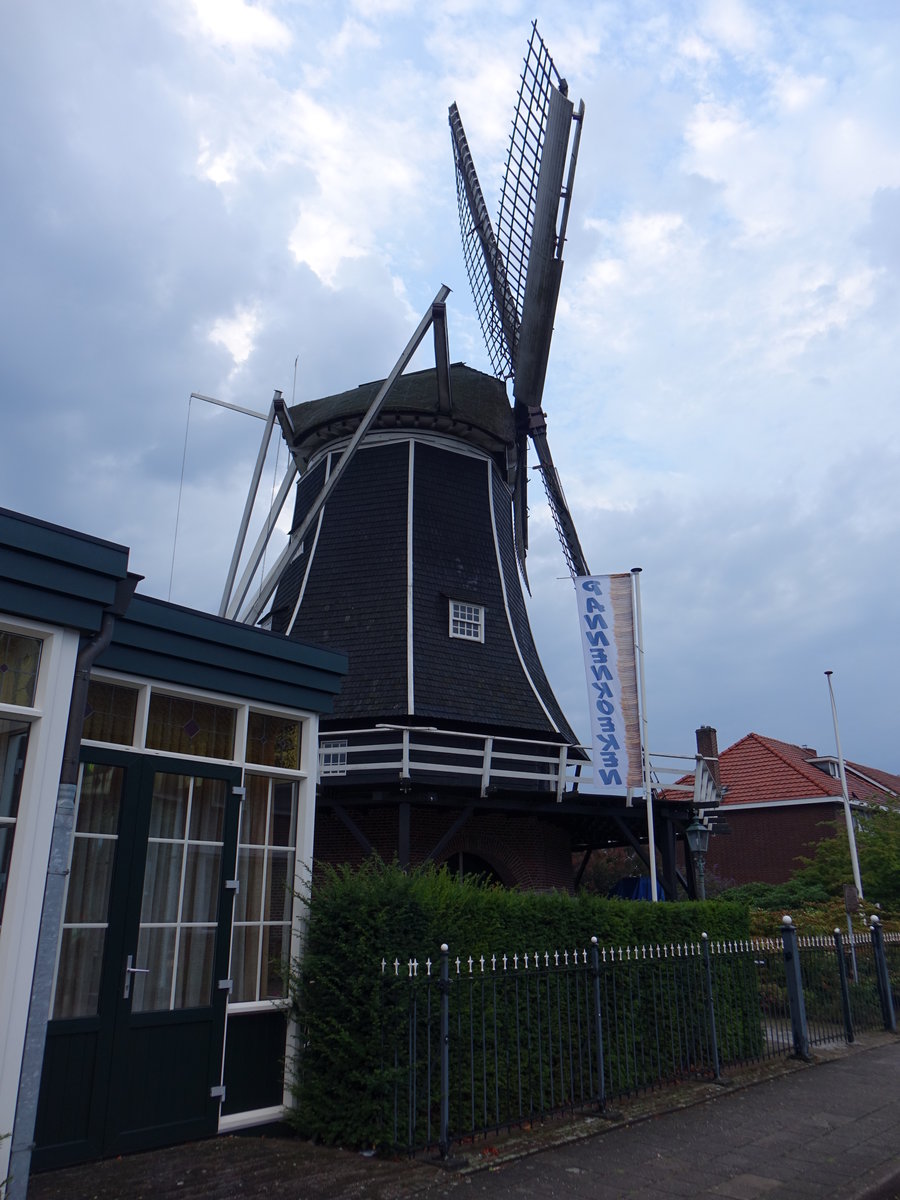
<point>509,619</point>
<point>309,562</point>
<point>410,665</point>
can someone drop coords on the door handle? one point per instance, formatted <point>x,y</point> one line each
<point>129,971</point>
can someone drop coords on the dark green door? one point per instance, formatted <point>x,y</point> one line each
<point>134,1047</point>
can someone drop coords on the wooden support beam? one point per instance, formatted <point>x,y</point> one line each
<point>451,833</point>
<point>442,357</point>
<point>639,850</point>
<point>358,834</point>
<point>403,835</point>
<point>667,843</point>
<point>579,875</point>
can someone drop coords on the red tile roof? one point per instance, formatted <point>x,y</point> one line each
<point>758,769</point>
<point>884,779</point>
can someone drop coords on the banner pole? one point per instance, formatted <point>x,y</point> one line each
<point>645,744</point>
<point>848,816</point>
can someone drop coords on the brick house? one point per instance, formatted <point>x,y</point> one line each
<point>779,800</point>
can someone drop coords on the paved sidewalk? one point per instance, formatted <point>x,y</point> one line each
<point>830,1130</point>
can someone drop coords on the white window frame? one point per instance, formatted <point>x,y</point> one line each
<point>31,847</point>
<point>463,616</point>
<point>263,1003</point>
<point>334,750</point>
<point>305,799</point>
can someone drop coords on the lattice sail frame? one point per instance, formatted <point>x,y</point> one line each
<point>505,266</point>
<point>515,220</point>
<point>479,249</point>
<point>499,300</point>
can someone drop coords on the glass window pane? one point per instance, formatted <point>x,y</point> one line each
<point>266,872</point>
<point>98,801</point>
<point>244,966</point>
<point>80,962</point>
<point>201,883</point>
<point>162,882</point>
<point>195,966</point>
<point>13,744</point>
<point>208,810</point>
<point>274,966</point>
<point>87,891</point>
<point>87,901</point>
<point>110,713</point>
<point>254,811</point>
<point>181,888</point>
<point>181,725</point>
<point>169,812</point>
<point>283,810</point>
<point>6,844</point>
<point>279,889</point>
<point>273,741</point>
<point>156,952</point>
<point>20,658</point>
<point>248,901</point>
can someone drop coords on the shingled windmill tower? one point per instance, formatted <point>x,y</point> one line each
<point>409,545</point>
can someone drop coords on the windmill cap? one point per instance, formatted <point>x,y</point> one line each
<point>480,411</point>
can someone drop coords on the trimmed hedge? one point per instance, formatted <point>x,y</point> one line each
<point>359,917</point>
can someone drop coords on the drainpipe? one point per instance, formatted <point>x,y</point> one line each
<point>54,891</point>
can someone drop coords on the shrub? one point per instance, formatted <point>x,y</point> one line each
<point>878,848</point>
<point>360,918</point>
<point>788,897</point>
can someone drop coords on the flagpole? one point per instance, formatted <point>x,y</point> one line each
<point>848,816</point>
<point>648,792</point>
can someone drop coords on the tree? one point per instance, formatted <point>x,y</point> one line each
<point>878,847</point>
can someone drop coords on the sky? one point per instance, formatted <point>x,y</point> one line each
<point>230,197</point>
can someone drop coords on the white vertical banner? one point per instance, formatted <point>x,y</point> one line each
<point>606,620</point>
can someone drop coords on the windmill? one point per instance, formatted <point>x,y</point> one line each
<point>515,272</point>
<point>407,552</point>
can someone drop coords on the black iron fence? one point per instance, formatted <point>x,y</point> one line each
<point>477,1044</point>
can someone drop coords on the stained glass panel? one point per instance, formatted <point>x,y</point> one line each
<point>20,658</point>
<point>181,725</point>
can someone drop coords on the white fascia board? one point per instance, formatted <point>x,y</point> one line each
<point>854,771</point>
<point>808,801</point>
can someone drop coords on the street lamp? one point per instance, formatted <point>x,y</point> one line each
<point>697,835</point>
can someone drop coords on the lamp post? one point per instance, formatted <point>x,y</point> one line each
<point>697,836</point>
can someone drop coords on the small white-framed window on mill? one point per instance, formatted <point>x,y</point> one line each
<point>466,621</point>
<point>333,757</point>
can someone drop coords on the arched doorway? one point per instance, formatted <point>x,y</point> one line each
<point>469,866</point>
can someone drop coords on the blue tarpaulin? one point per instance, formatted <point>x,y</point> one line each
<point>635,887</point>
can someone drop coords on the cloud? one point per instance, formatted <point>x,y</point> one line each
<point>267,182</point>
<point>735,26</point>
<point>237,333</point>
<point>240,26</point>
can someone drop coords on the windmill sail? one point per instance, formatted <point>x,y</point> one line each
<point>515,274</point>
<point>562,517</point>
<point>494,302</point>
